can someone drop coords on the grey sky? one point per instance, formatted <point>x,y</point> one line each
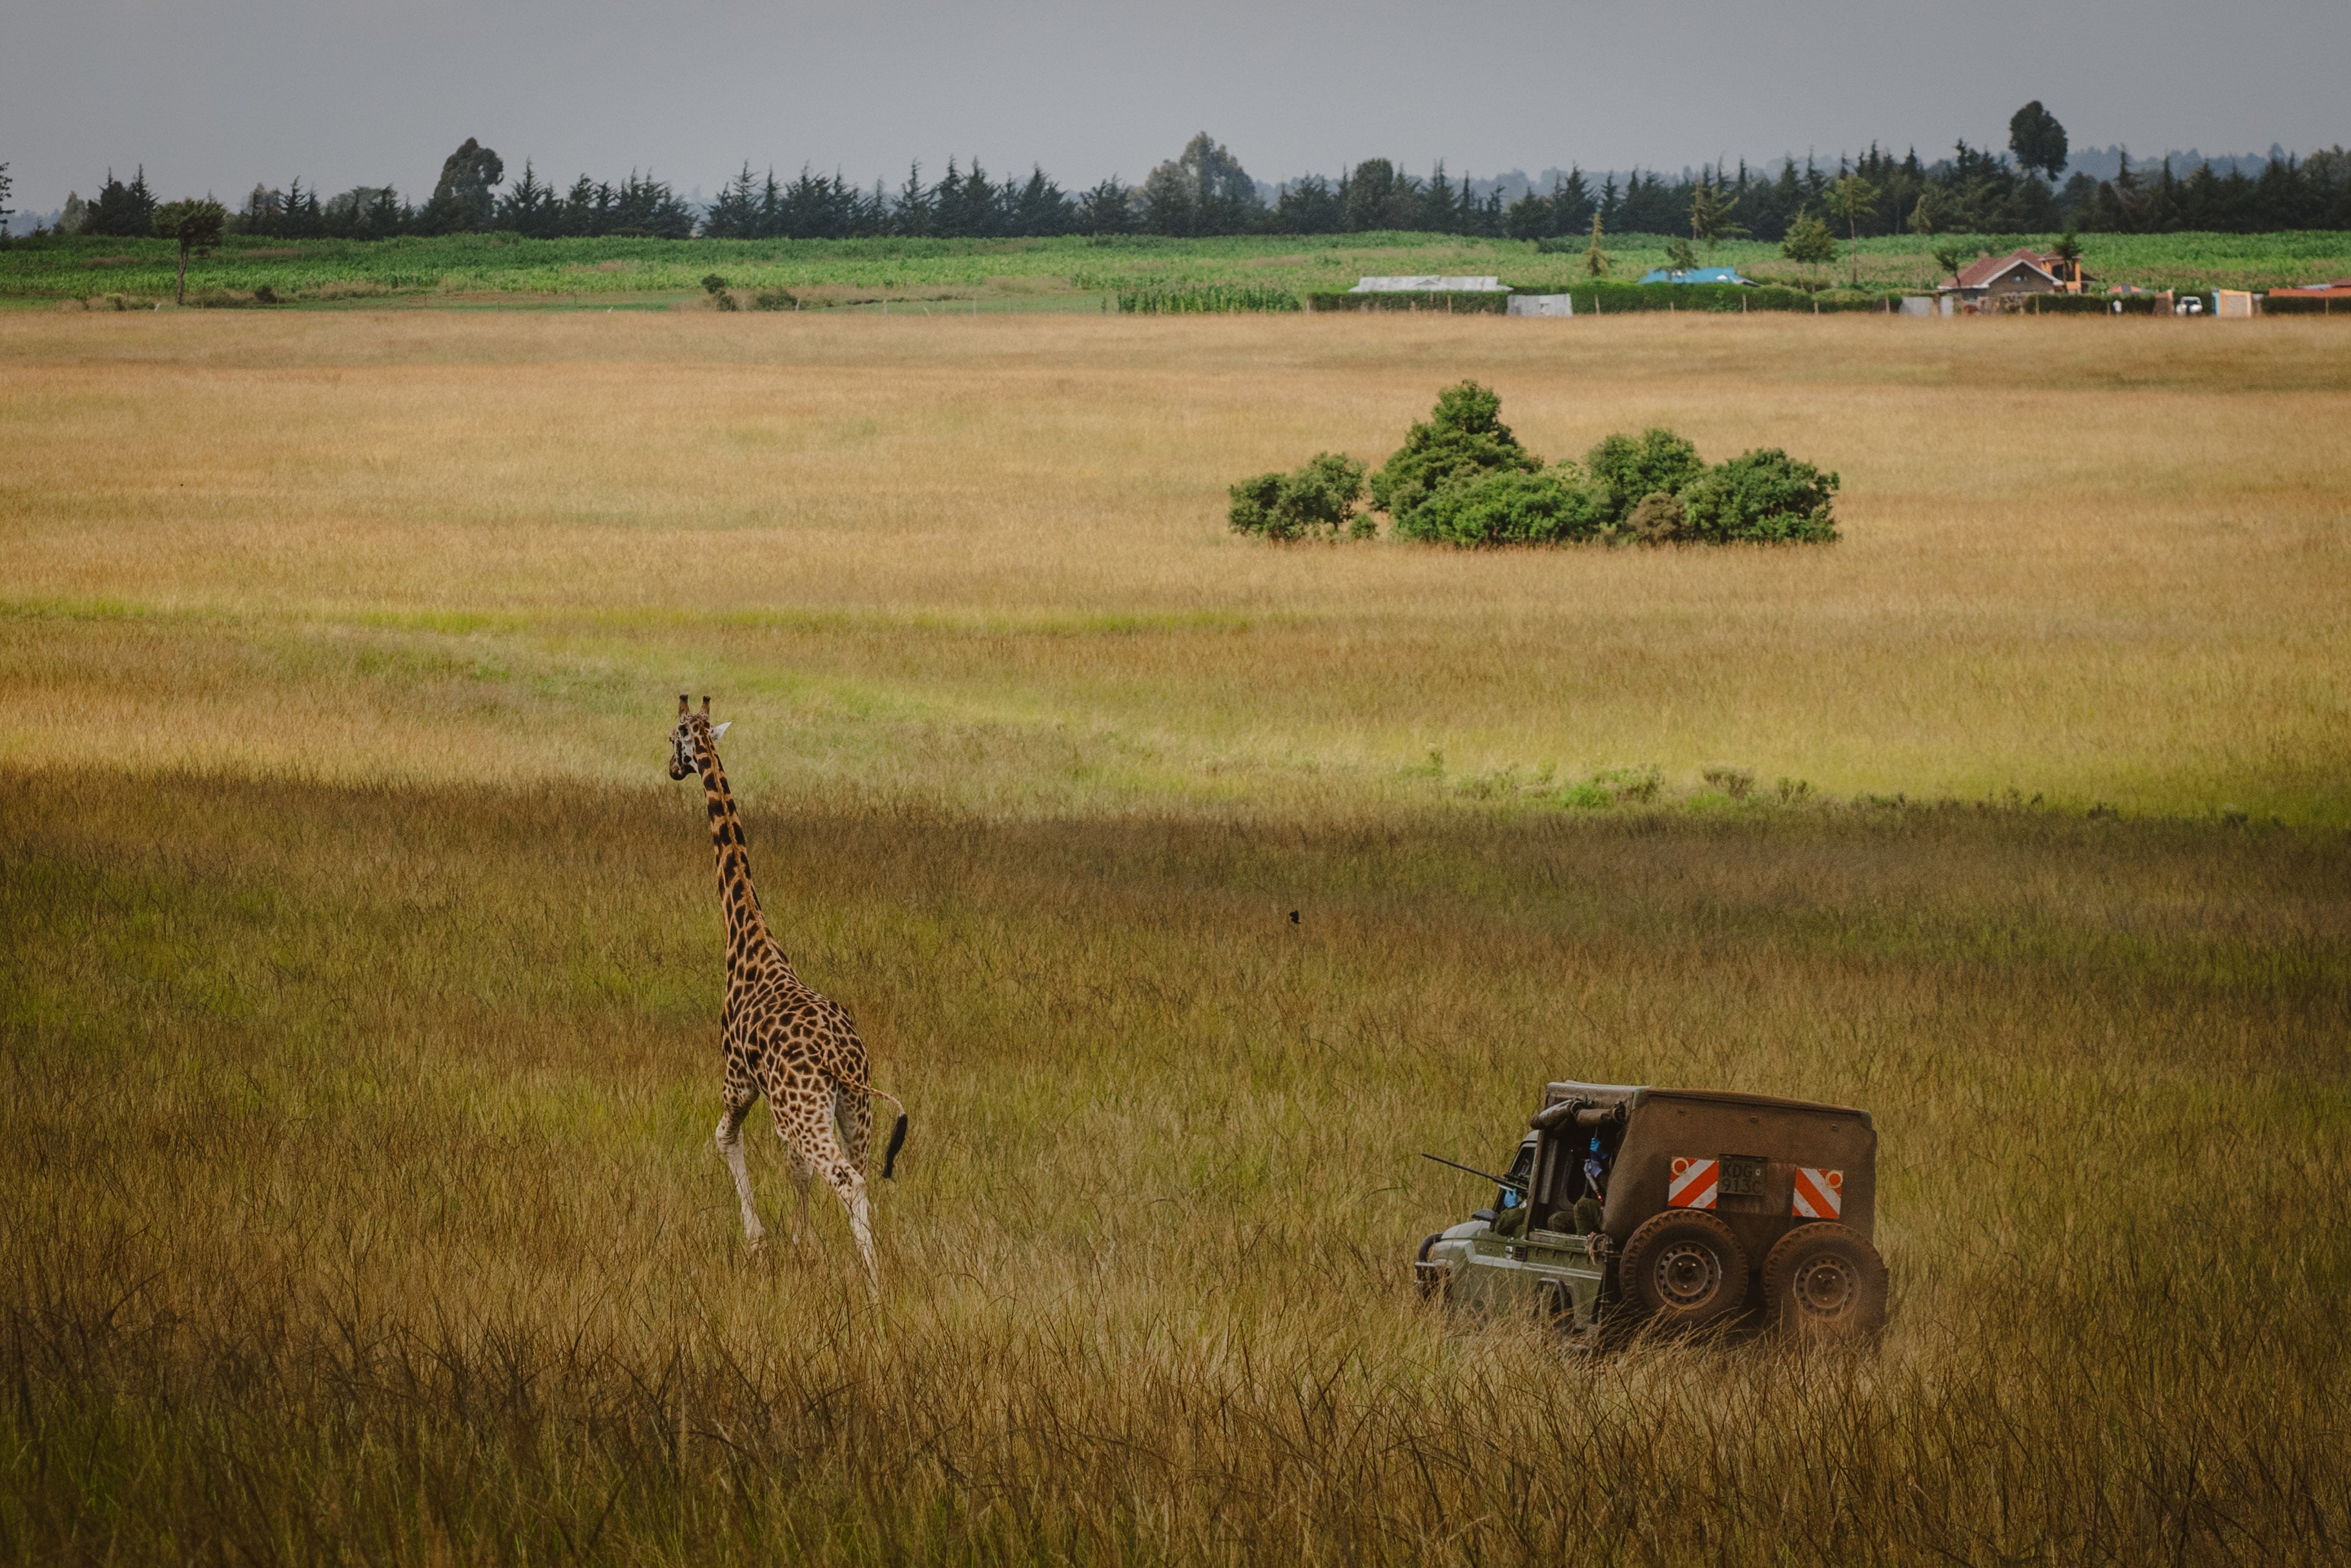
<point>217,96</point>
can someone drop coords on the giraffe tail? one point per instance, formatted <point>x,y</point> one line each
<point>897,1133</point>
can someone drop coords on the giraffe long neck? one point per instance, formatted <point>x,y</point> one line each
<point>749,947</point>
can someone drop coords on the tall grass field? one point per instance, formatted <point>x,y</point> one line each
<point>361,975</point>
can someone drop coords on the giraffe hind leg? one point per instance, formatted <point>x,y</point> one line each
<point>852,1113</point>
<point>810,1118</point>
<point>730,1144</point>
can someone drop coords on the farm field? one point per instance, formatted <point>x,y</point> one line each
<point>363,968</point>
<point>1021,274</point>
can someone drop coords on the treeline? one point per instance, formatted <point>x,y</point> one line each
<point>1205,191</point>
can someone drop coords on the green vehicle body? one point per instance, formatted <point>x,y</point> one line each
<point>1536,1257</point>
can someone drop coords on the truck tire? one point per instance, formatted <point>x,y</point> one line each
<point>1429,1288</point>
<point>1683,1269</point>
<point>1824,1281</point>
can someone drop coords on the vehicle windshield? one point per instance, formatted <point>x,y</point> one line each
<point>1521,1171</point>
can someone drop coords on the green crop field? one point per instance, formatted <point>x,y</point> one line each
<point>360,968</point>
<point>1018,274</point>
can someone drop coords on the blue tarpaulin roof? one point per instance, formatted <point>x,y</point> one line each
<point>1697,274</point>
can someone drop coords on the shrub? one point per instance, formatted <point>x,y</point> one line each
<point>1735,783</point>
<point>1762,497</point>
<point>1658,519</point>
<point>1463,437</point>
<point>1632,468</point>
<point>775,299</point>
<point>1318,499</point>
<point>1510,506</point>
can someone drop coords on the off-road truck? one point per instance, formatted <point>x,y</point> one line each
<point>1679,1207</point>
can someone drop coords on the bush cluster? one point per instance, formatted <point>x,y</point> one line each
<point>1320,499</point>
<point>1462,478</point>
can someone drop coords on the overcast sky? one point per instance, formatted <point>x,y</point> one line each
<point>216,96</point>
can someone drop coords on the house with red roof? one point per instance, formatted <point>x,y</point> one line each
<point>2017,273</point>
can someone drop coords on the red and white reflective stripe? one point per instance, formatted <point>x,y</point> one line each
<point>1820,1194</point>
<point>1694,1184</point>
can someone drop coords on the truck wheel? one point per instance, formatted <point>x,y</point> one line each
<point>1430,1286</point>
<point>1824,1281</point>
<point>1683,1268</point>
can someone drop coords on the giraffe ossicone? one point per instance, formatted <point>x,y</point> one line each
<point>784,1043</point>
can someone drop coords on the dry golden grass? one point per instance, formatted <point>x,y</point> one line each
<point>361,1203</point>
<point>2094,560</point>
<point>359,977</point>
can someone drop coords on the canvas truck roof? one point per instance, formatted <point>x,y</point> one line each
<point>1632,1097</point>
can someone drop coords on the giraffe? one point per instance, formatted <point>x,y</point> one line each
<point>782,1039</point>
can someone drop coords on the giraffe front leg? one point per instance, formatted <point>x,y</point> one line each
<point>730,1144</point>
<point>803,1174</point>
<point>850,1187</point>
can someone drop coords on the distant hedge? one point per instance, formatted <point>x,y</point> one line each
<point>2091,305</point>
<point>1611,298</point>
<point>2275,304</point>
<point>1444,302</point>
<point>1211,300</point>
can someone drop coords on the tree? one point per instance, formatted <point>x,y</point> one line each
<point>1679,256</point>
<point>1809,242</point>
<point>461,202</point>
<point>1925,211</point>
<point>1595,260</point>
<point>1463,439</point>
<point>1377,197</point>
<point>734,215</point>
<point>2037,140</point>
<point>1849,198</point>
<point>197,226</point>
<point>1710,215</point>
<point>532,208</point>
<point>1107,208</point>
<point>1204,189</point>
<point>125,211</point>
<point>5,211</point>
<point>2068,251</point>
<point>1308,207</point>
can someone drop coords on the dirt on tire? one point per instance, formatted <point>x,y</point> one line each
<point>1824,1283</point>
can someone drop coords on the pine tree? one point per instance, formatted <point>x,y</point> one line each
<point>912,213</point>
<point>1595,260</point>
<point>124,211</point>
<point>733,213</point>
<point>531,207</point>
<point>1107,208</point>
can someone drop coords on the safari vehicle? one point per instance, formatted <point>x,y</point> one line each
<point>1676,1208</point>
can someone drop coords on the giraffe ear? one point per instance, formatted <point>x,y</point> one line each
<point>718,729</point>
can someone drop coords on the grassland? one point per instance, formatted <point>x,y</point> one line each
<point>1025,275</point>
<point>361,979</point>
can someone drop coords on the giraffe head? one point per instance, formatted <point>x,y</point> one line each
<point>694,735</point>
